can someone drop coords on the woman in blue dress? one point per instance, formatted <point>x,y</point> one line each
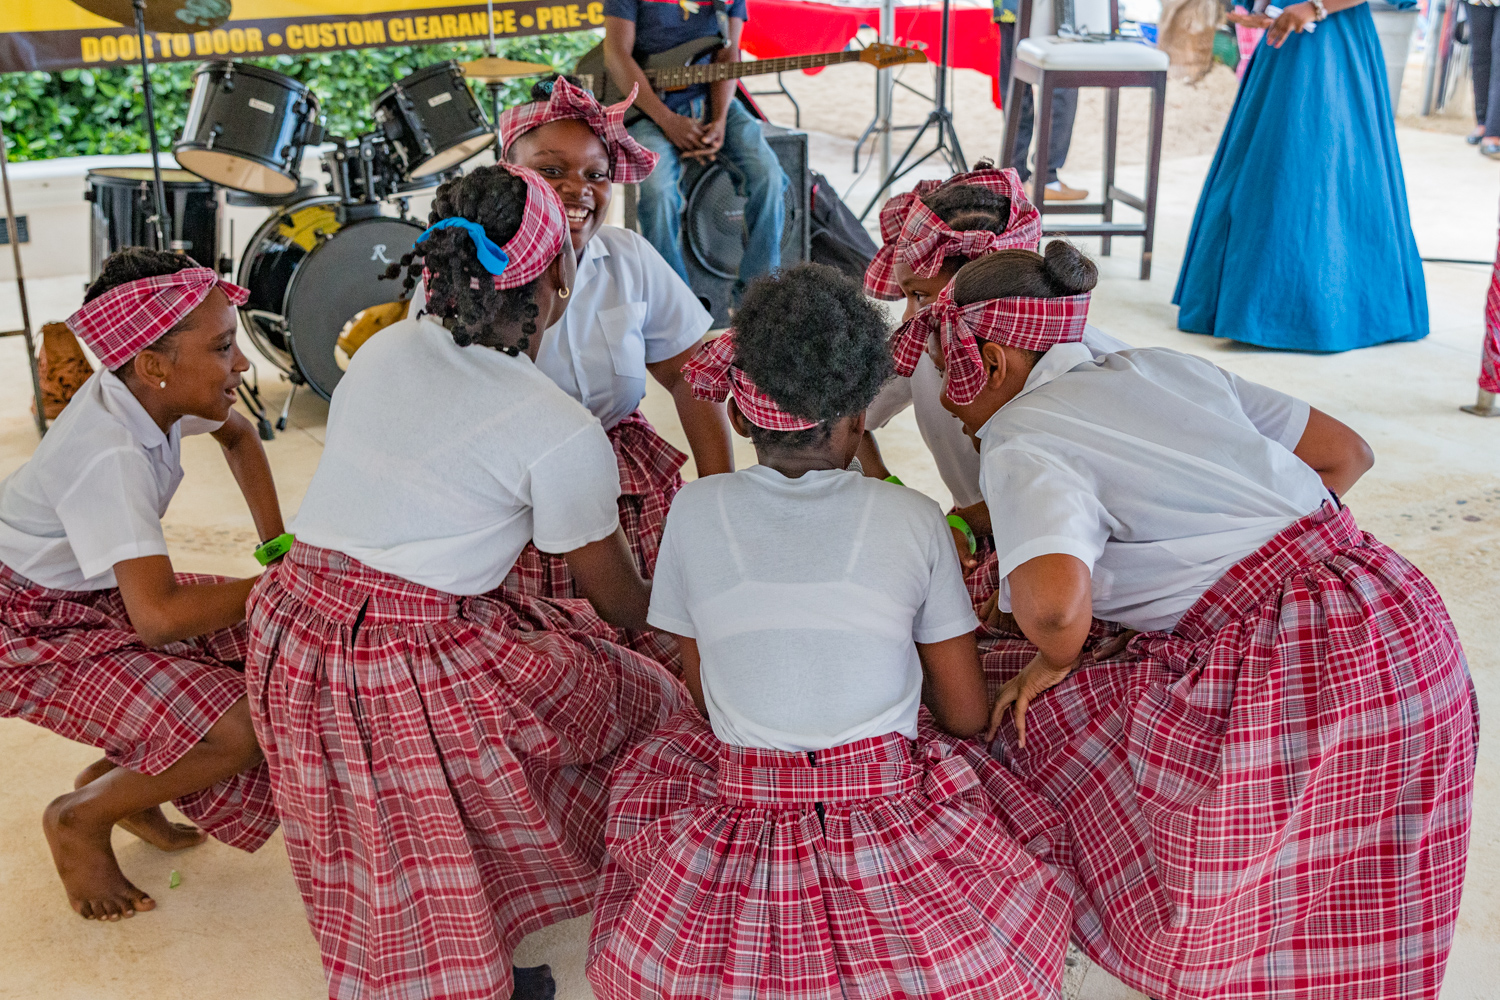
<point>1302,239</point>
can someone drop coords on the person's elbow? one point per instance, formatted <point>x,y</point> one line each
<point>963,722</point>
<point>1361,457</point>
<point>153,628</point>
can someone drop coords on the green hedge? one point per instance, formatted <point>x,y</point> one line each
<point>85,112</point>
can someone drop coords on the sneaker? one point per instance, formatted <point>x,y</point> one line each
<point>1058,191</point>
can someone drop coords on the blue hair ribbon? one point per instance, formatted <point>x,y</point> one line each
<point>491,257</point>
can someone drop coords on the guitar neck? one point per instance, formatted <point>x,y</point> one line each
<point>677,77</point>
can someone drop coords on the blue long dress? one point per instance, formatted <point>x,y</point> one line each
<point>1302,239</point>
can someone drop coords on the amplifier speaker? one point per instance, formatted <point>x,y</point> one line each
<point>713,220</point>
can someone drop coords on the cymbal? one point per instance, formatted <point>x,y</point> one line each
<point>164,15</point>
<point>493,68</point>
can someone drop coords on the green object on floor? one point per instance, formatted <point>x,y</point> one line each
<point>1226,49</point>
<point>174,879</point>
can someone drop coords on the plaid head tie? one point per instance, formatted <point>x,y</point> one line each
<point>1029,324</point>
<point>629,161</point>
<point>913,233</point>
<point>713,375</point>
<point>541,237</point>
<point>129,318</point>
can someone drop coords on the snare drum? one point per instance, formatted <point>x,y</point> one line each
<point>432,121</point>
<point>124,204</point>
<point>246,128</point>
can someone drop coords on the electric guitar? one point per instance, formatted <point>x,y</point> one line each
<point>678,68</point>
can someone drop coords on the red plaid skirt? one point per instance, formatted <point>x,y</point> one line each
<point>650,476</point>
<point>874,870</point>
<point>71,662</point>
<point>441,765</point>
<point>1273,799</point>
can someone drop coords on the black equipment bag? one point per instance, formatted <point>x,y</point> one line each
<point>837,238</point>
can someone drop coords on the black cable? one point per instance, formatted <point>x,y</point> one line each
<point>1456,260</point>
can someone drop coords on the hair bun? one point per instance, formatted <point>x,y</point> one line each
<point>1068,270</point>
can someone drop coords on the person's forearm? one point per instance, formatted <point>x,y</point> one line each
<point>870,459</point>
<point>720,94</point>
<point>977,516</point>
<point>1052,600</point>
<point>626,72</point>
<point>707,428</point>
<point>252,471</point>
<point>191,610</point>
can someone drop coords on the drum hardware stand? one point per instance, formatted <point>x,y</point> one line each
<point>15,252</point>
<point>285,407</point>
<point>940,118</point>
<point>1484,405</point>
<point>159,219</point>
<point>250,396</point>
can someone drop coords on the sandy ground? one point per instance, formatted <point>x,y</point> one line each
<point>235,927</point>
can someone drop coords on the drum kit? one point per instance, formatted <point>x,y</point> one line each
<point>313,267</point>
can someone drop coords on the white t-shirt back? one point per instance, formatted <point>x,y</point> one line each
<point>94,492</point>
<point>806,597</point>
<point>1147,466</point>
<point>441,462</point>
<point>1281,417</point>
<point>628,309</point>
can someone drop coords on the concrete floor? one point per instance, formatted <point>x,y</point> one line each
<point>235,928</point>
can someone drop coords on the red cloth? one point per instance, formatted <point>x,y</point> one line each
<point>1489,368</point>
<point>650,476</point>
<point>714,376</point>
<point>441,766</point>
<point>71,662</point>
<point>1026,323</point>
<point>1274,799</point>
<point>875,870</point>
<point>629,161</point>
<point>915,233</point>
<point>794,28</point>
<point>129,318</point>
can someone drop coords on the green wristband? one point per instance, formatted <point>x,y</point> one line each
<point>268,552</point>
<point>954,521</point>
<point>893,479</point>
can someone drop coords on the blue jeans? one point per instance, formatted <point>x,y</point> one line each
<point>758,178</point>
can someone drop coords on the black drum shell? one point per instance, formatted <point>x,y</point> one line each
<point>432,120</point>
<point>123,203</point>
<point>246,127</point>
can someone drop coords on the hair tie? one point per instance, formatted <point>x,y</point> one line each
<point>545,86</point>
<point>491,257</point>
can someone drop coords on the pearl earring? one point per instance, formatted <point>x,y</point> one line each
<point>163,383</point>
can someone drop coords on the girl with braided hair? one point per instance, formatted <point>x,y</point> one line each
<point>1271,784</point>
<point>805,837</point>
<point>440,744</point>
<point>636,316</point>
<point>100,640</point>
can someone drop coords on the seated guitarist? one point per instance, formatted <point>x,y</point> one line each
<point>703,122</point>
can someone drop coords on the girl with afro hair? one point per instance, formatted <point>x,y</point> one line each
<point>439,743</point>
<point>100,640</point>
<point>801,835</point>
<point>635,317</point>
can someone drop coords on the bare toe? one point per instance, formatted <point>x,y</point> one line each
<point>85,861</point>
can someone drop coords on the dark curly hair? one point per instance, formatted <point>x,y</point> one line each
<point>809,338</point>
<point>965,207</point>
<point>542,89</point>
<point>495,198</point>
<point>131,264</point>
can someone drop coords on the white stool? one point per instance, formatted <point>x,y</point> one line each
<point>1049,62</point>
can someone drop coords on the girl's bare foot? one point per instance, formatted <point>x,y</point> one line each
<point>97,889</point>
<point>150,825</point>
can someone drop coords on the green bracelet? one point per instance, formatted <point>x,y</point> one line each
<point>954,521</point>
<point>268,552</point>
<point>893,479</point>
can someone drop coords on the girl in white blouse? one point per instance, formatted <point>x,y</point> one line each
<point>1274,780</point>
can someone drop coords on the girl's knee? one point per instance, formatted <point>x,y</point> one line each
<point>233,737</point>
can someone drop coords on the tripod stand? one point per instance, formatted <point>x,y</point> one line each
<point>940,118</point>
<point>159,220</point>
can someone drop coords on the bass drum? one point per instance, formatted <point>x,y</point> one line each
<point>124,203</point>
<point>315,287</point>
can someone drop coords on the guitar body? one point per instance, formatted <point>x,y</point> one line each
<point>686,54</point>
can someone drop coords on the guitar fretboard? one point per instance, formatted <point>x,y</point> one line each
<point>672,77</point>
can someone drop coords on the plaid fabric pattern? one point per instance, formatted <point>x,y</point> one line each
<point>71,662</point>
<point>536,244</point>
<point>441,766</point>
<point>714,376</point>
<point>1273,799</point>
<point>629,161</point>
<point>1489,368</point>
<point>1026,323</point>
<point>129,318</point>
<point>912,232</point>
<point>880,869</point>
<point>650,476</point>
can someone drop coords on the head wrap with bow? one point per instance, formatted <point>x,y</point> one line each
<point>714,376</point>
<point>629,161</point>
<point>1026,323</point>
<point>129,318</point>
<point>541,237</point>
<point>915,235</point>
